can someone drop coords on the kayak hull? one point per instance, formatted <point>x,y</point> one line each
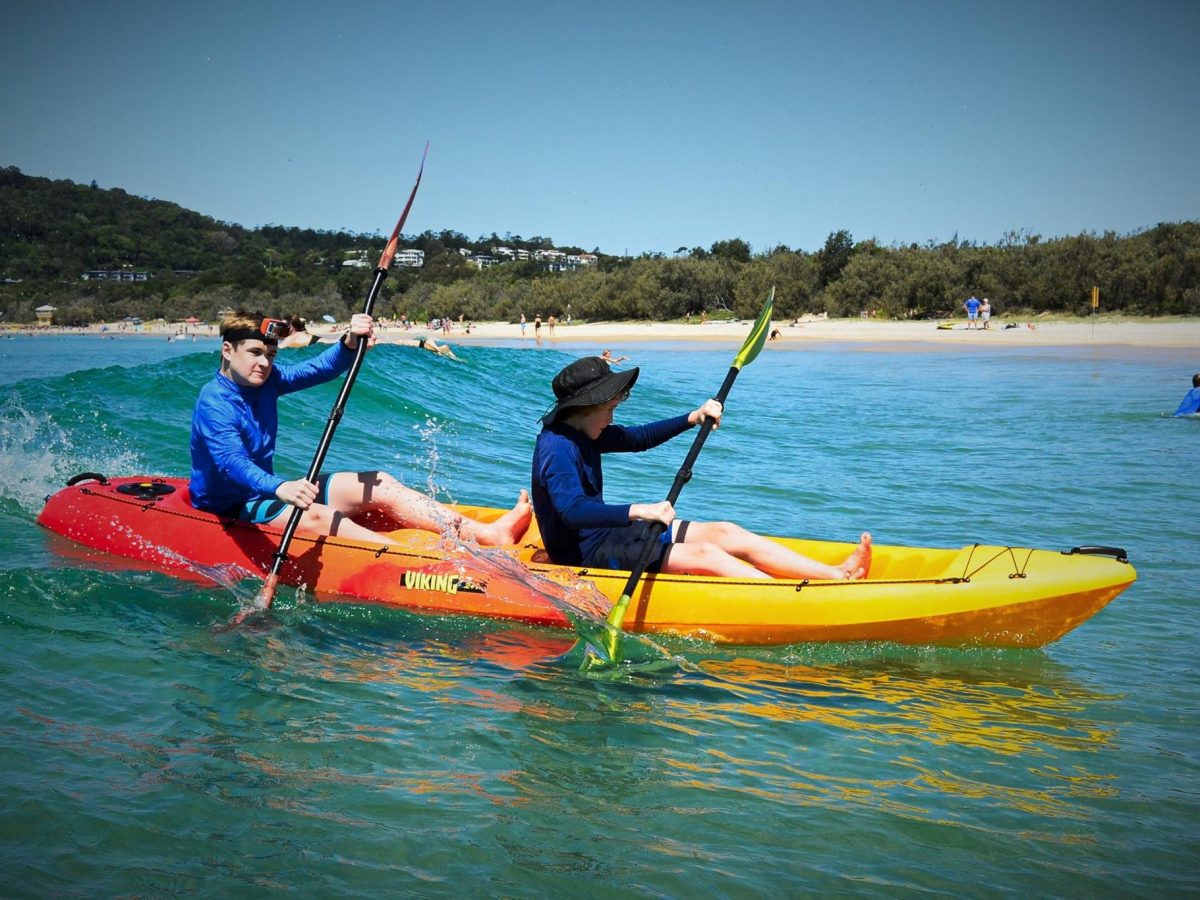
<point>986,595</point>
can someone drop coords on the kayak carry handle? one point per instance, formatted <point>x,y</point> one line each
<point>87,476</point>
<point>1116,553</point>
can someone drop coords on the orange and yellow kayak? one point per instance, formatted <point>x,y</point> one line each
<point>975,594</point>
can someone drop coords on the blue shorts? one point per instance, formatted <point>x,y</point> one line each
<point>621,547</point>
<point>262,510</point>
<point>972,315</point>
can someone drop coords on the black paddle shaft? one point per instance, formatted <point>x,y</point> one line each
<point>682,477</point>
<point>335,416</point>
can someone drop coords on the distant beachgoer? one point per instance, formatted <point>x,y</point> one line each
<point>1191,402</point>
<point>972,307</point>
<point>537,327</point>
<point>775,334</point>
<point>522,324</point>
<point>550,323</point>
<point>608,358</point>
<point>985,311</point>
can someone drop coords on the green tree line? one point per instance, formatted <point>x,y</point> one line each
<point>51,232</point>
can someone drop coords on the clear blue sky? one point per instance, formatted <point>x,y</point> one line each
<point>628,126</point>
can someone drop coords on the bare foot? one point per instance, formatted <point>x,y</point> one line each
<point>858,563</point>
<point>510,527</point>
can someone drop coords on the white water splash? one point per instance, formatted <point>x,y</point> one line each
<point>38,456</point>
<point>430,458</point>
<point>584,606</point>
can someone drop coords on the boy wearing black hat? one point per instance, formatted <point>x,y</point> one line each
<point>580,529</point>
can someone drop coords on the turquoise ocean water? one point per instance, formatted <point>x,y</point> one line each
<point>347,750</point>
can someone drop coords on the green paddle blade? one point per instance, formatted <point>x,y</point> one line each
<point>758,334</point>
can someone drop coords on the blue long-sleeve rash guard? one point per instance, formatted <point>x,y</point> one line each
<point>1191,403</point>
<point>568,483</point>
<point>234,429</point>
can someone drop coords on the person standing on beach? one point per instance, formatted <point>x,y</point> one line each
<point>1191,401</point>
<point>580,528</point>
<point>985,312</point>
<point>537,327</point>
<point>972,307</point>
<point>522,324</point>
<point>234,428</point>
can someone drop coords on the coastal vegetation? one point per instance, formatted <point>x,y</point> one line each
<point>54,232</point>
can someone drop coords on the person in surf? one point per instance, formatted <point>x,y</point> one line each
<point>234,428</point>
<point>1190,405</point>
<point>300,335</point>
<point>580,528</point>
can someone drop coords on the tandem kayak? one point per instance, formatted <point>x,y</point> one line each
<point>975,594</point>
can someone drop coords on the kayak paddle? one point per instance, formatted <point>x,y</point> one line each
<point>745,356</point>
<point>266,596</point>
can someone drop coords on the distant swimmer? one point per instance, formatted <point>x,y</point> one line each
<point>608,358</point>
<point>1191,402</point>
<point>428,343</point>
<point>299,335</point>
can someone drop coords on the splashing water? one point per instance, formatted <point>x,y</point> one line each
<point>38,456</point>
<point>581,602</point>
<point>429,461</point>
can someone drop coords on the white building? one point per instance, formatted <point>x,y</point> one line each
<point>412,258</point>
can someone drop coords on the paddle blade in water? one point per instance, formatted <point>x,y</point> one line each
<point>758,334</point>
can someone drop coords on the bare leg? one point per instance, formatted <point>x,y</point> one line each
<point>351,493</point>
<point>706,559</point>
<point>774,559</point>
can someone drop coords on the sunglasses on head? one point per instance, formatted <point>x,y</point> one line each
<point>275,329</point>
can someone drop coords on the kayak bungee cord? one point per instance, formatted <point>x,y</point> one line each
<point>266,595</point>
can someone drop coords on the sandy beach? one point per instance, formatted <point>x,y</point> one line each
<point>1173,332</point>
<point>1176,332</point>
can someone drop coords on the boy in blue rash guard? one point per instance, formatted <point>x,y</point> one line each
<point>1190,405</point>
<point>580,529</point>
<point>233,447</point>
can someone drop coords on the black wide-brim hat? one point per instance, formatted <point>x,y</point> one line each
<point>587,382</point>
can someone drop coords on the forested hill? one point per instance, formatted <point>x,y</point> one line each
<point>53,232</point>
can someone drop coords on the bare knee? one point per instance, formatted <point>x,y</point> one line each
<point>726,535</point>
<point>319,519</point>
<point>357,490</point>
<point>702,558</point>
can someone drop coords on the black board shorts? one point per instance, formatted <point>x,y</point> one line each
<point>262,510</point>
<point>621,547</point>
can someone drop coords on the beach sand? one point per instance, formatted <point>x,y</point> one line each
<point>1172,332</point>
